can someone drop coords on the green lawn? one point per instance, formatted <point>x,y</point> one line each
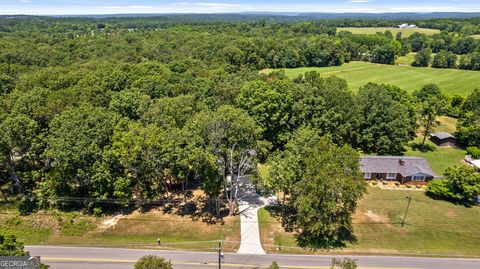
<point>373,30</point>
<point>407,59</point>
<point>440,158</point>
<point>357,74</point>
<point>136,230</point>
<point>435,228</point>
<point>447,124</point>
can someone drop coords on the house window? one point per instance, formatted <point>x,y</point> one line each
<point>367,175</point>
<point>391,175</point>
<point>418,178</point>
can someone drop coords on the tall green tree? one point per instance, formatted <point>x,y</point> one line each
<point>384,55</point>
<point>19,135</point>
<point>130,103</point>
<point>232,136</point>
<point>444,59</point>
<point>328,106</point>
<point>153,157</point>
<point>468,127</point>
<point>423,58</point>
<point>318,168</point>
<point>431,104</point>
<point>75,146</point>
<point>270,103</point>
<point>386,120</point>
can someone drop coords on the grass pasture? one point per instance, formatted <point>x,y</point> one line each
<point>446,124</point>
<point>434,228</point>
<point>407,59</point>
<point>135,230</point>
<point>406,32</point>
<point>357,74</point>
<point>439,159</point>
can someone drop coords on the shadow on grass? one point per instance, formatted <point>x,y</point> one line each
<point>423,147</point>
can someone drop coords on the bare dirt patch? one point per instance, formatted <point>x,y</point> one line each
<point>110,222</point>
<point>450,214</point>
<point>376,218</point>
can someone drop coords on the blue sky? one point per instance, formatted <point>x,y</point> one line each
<point>53,7</point>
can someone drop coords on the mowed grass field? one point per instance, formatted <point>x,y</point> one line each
<point>357,74</point>
<point>440,158</point>
<point>406,32</point>
<point>407,59</point>
<point>434,228</point>
<point>135,230</point>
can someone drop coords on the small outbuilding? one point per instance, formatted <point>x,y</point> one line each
<point>443,139</point>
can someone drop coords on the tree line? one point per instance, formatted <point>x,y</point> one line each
<point>142,130</point>
<point>31,43</point>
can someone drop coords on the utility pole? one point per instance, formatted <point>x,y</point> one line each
<point>406,210</point>
<point>219,248</point>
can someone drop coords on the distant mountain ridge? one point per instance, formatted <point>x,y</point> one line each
<point>290,15</point>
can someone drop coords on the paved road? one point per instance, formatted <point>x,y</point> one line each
<point>109,258</point>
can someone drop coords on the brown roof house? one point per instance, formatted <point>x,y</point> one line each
<point>405,169</point>
<point>443,139</point>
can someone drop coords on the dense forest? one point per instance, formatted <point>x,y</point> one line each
<point>122,109</point>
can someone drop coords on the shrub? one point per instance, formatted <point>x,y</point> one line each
<point>397,183</point>
<point>374,183</point>
<point>27,204</point>
<point>439,189</point>
<point>153,262</point>
<point>474,152</point>
<point>345,263</point>
<point>97,212</point>
<point>274,265</point>
<point>461,185</point>
<point>385,182</point>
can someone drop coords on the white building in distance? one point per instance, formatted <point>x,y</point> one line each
<point>406,25</point>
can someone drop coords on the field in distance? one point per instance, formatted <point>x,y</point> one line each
<point>406,32</point>
<point>357,74</point>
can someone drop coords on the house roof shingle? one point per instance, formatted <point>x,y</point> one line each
<point>392,164</point>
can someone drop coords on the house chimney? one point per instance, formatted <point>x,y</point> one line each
<point>401,161</point>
